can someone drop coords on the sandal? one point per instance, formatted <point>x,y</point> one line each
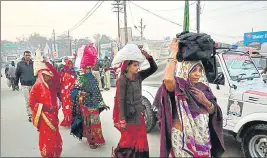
<point>93,145</point>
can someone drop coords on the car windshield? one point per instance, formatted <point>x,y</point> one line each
<point>240,66</point>
<point>260,62</point>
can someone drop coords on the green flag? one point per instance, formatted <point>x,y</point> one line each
<point>186,16</point>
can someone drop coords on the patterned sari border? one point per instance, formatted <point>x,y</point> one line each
<point>38,114</point>
<point>48,122</point>
<point>181,118</point>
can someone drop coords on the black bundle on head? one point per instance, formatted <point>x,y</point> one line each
<point>195,47</point>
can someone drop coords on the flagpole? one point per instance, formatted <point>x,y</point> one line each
<point>186,16</point>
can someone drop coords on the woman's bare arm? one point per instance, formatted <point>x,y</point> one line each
<point>169,79</point>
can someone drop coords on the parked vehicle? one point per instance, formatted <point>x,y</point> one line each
<point>242,95</point>
<point>261,63</point>
<point>10,58</point>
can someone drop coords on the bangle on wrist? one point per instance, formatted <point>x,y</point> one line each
<point>172,60</point>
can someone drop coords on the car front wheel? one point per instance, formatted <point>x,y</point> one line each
<point>150,118</point>
<point>254,142</point>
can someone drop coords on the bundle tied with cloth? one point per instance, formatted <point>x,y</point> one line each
<point>40,87</point>
<point>39,64</point>
<point>198,47</point>
<point>86,55</point>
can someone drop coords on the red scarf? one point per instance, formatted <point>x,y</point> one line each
<point>116,110</point>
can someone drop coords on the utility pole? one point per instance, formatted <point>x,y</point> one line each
<point>68,39</point>
<point>54,39</point>
<point>118,8</point>
<point>198,7</point>
<point>142,27</point>
<point>125,22</point>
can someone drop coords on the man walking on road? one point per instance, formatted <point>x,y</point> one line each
<point>96,73</point>
<point>24,73</point>
<point>12,75</point>
<point>107,73</point>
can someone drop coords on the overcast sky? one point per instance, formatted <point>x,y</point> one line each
<point>226,21</point>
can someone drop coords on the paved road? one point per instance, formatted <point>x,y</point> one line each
<point>19,138</point>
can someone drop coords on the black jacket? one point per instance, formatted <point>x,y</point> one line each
<point>131,94</point>
<point>24,73</point>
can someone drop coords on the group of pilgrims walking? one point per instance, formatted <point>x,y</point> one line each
<point>190,119</point>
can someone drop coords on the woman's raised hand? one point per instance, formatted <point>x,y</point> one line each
<point>145,53</point>
<point>169,80</point>
<point>45,59</point>
<point>174,47</point>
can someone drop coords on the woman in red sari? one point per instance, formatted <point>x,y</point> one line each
<point>68,77</point>
<point>44,105</point>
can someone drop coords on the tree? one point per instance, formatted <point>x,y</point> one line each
<point>96,37</point>
<point>35,40</point>
<point>167,38</point>
<point>102,39</point>
<point>138,38</point>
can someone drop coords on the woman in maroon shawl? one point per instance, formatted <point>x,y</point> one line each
<point>128,110</point>
<point>68,77</point>
<point>190,119</point>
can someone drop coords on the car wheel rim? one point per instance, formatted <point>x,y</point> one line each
<point>258,146</point>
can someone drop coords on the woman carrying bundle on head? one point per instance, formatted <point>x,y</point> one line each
<point>44,106</point>
<point>190,118</point>
<point>87,103</point>
<point>128,114</point>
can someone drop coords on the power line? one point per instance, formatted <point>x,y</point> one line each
<point>89,13</point>
<point>178,23</point>
<point>131,13</point>
<point>157,15</point>
<point>241,12</point>
<point>87,16</point>
<point>82,18</point>
<point>232,6</point>
<point>175,8</point>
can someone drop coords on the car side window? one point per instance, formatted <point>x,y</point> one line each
<point>219,68</point>
<point>220,79</point>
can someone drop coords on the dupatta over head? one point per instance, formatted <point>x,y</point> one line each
<point>116,109</point>
<point>40,100</point>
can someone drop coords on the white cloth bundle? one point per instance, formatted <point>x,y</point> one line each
<point>38,63</point>
<point>128,52</point>
<point>79,57</point>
